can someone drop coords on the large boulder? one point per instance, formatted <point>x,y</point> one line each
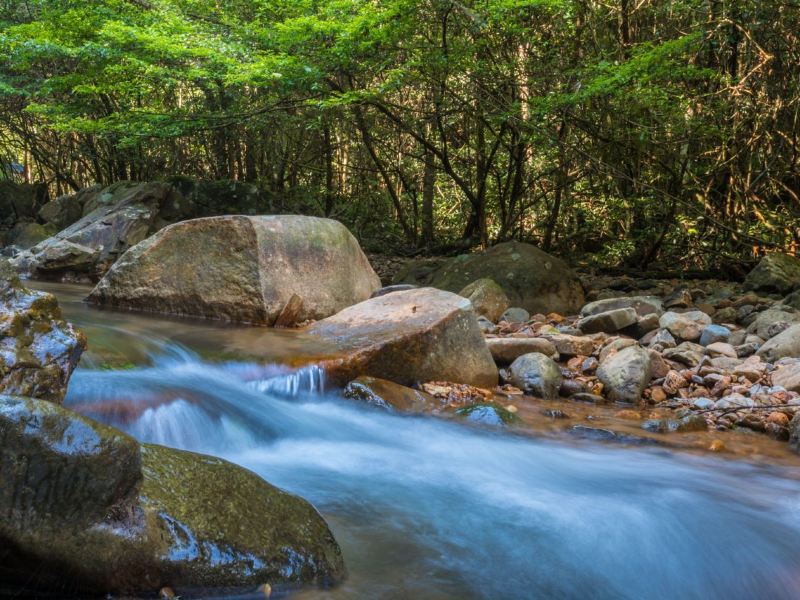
<point>85,509</point>
<point>243,269</point>
<point>65,210</point>
<point>531,278</point>
<point>408,337</point>
<point>123,215</point>
<point>777,272</point>
<point>38,349</point>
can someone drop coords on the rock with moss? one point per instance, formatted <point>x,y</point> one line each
<point>531,278</point>
<point>19,203</point>
<point>242,269</point>
<point>85,509</point>
<point>408,337</point>
<point>776,272</point>
<point>487,413</point>
<point>488,299</point>
<point>38,349</point>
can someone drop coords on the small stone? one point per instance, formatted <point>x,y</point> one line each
<point>721,349</point>
<point>714,333</point>
<point>515,315</point>
<point>628,415</point>
<point>686,326</point>
<point>571,345</point>
<point>535,373</point>
<point>703,403</point>
<point>166,593</point>
<point>657,394</point>
<point>608,322</point>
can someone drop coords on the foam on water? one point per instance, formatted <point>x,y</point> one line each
<point>430,509</point>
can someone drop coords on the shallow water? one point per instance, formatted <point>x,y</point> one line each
<point>425,508</point>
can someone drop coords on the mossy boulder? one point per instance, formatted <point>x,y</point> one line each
<point>531,278</point>
<point>38,349</point>
<point>777,272</point>
<point>243,269</point>
<point>85,509</point>
<point>409,337</point>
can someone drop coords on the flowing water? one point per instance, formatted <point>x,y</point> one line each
<point>425,508</point>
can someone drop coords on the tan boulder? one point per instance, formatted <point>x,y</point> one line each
<point>408,337</point>
<point>244,269</point>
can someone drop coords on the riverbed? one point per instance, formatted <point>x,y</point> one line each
<point>426,508</point>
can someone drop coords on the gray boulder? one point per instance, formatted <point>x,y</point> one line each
<point>608,322</point>
<point>786,344</point>
<point>625,374</point>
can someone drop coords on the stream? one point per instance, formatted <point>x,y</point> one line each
<point>431,509</point>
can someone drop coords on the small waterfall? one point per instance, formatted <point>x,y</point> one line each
<point>306,381</point>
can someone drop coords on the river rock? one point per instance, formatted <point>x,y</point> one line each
<point>389,395</point>
<point>625,374</point>
<point>643,305</point>
<point>531,278</point>
<point>786,344</point>
<point>571,345</point>
<point>515,314</point>
<point>771,322</point>
<point>535,373</point>
<point>38,349</point>
<point>713,334</point>
<point>243,269</point>
<point>488,299</point>
<point>776,272</point>
<point>506,350</point>
<point>85,509</point>
<point>685,326</point>
<point>608,322</point>
<point>409,337</point>
<point>67,209</point>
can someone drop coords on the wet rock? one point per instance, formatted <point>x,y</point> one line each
<point>775,272</point>
<point>389,395</point>
<point>488,299</point>
<point>643,305</point>
<point>685,326</point>
<point>535,373</point>
<point>607,435</point>
<point>91,511</point>
<point>241,269</point>
<point>608,322</point>
<point>409,337</point>
<point>515,315</point>
<point>531,278</point>
<point>571,387</point>
<point>782,345</point>
<point>491,414</point>
<point>506,350</point>
<point>625,374</point>
<point>714,333</point>
<point>38,349</point>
